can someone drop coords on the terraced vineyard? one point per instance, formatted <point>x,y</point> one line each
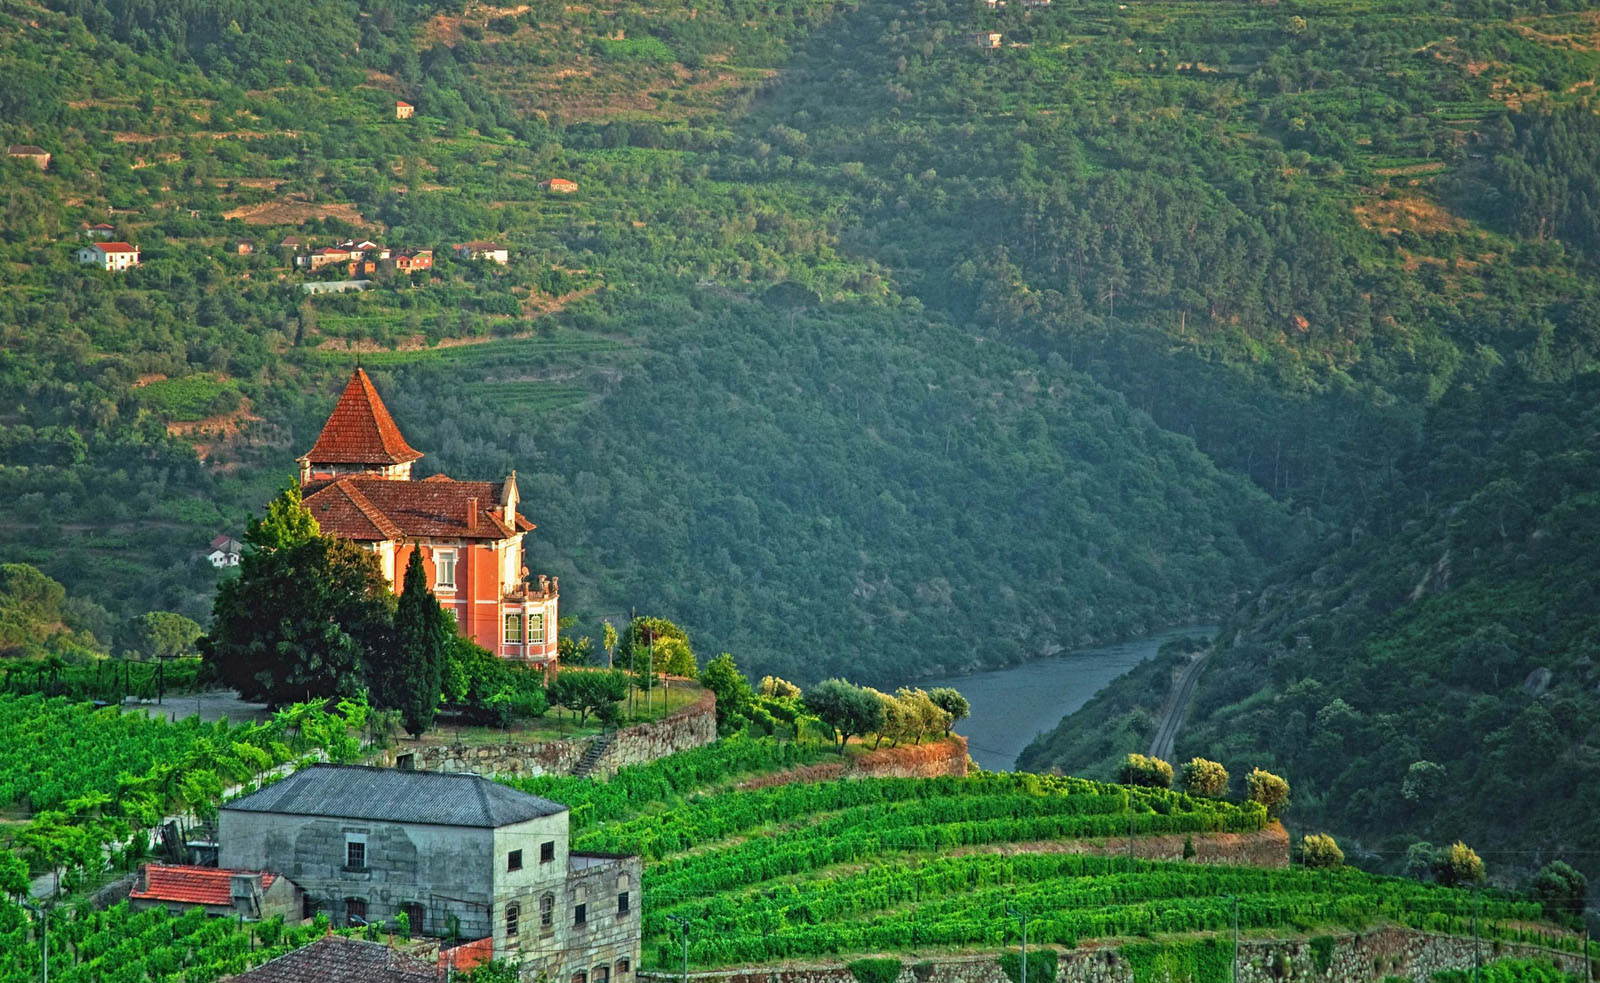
<point>122,946</point>
<point>919,866</point>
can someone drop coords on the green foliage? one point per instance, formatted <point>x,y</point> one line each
<point>88,945</point>
<point>1507,971</point>
<point>1041,966</point>
<point>1139,769</point>
<point>287,523</point>
<point>494,971</point>
<point>1320,850</point>
<point>412,676</point>
<point>723,678</point>
<point>1322,952</point>
<point>1268,789</point>
<point>1458,865</point>
<point>1424,781</point>
<point>951,702</point>
<point>158,635</point>
<point>882,970</point>
<point>851,710</point>
<point>303,620</point>
<point>489,690</point>
<point>1203,961</point>
<point>1202,777</point>
<point>589,691</point>
<point>195,397</point>
<point>1561,888</point>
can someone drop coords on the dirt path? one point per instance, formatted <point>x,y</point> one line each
<point>1176,710</point>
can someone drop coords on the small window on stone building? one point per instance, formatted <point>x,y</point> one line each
<point>547,852</point>
<point>580,977</point>
<point>580,916</point>
<point>513,914</point>
<point>514,860</point>
<point>547,912</point>
<point>623,967</point>
<point>601,974</point>
<point>406,762</point>
<point>622,903</point>
<point>355,854</point>
<point>355,911</point>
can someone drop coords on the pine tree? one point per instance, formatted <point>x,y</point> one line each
<point>417,677</point>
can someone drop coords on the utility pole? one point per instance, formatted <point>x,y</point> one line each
<point>1235,901</point>
<point>44,934</point>
<point>684,924</point>
<point>1477,951</point>
<point>1023,917</point>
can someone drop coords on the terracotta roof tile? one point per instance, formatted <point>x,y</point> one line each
<point>192,885</point>
<point>360,430</point>
<point>335,959</point>
<point>115,247</point>
<point>369,508</point>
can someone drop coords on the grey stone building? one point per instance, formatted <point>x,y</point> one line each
<point>459,855</point>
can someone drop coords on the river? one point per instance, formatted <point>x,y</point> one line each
<point>1010,707</point>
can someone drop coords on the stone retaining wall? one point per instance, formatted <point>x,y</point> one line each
<point>1365,957</point>
<point>688,727</point>
<point>935,759</point>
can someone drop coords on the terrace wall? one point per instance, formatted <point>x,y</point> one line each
<point>1364,957</point>
<point>688,727</point>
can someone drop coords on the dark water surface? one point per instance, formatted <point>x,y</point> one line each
<point>1010,707</point>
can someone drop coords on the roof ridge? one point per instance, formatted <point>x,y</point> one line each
<point>373,514</point>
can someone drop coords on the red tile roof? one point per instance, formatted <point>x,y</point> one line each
<point>115,247</point>
<point>192,885</point>
<point>467,955</point>
<point>367,508</point>
<point>360,430</point>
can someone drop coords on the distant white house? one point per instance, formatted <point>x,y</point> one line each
<point>225,552</point>
<point>493,252</point>
<point>109,255</point>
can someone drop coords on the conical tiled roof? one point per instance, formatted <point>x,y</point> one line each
<point>360,430</point>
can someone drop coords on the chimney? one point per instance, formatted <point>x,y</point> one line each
<point>144,878</point>
<point>472,515</point>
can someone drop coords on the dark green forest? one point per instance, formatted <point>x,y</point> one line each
<point>862,349</point>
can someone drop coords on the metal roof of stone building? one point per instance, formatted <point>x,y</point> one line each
<point>334,959</point>
<point>394,795</point>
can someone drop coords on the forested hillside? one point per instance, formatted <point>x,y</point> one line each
<point>862,347</point>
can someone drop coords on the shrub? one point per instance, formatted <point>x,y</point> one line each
<point>1561,889</point>
<point>1460,864</point>
<point>1322,947</point>
<point>1138,769</point>
<point>1041,966</point>
<point>875,970</point>
<point>1205,778</point>
<point>1321,850</point>
<point>1423,782</point>
<point>1268,789</point>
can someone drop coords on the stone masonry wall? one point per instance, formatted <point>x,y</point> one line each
<point>689,727</point>
<point>1365,957</point>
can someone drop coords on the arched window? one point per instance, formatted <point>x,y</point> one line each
<point>355,911</point>
<point>513,914</point>
<point>624,966</point>
<point>601,974</point>
<point>580,977</point>
<point>547,912</point>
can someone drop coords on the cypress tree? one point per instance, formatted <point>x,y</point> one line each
<point>419,651</point>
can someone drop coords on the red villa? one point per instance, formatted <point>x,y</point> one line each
<point>357,482</point>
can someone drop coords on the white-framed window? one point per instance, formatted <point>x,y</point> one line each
<point>535,629</point>
<point>355,851</point>
<point>444,569</point>
<point>513,629</point>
